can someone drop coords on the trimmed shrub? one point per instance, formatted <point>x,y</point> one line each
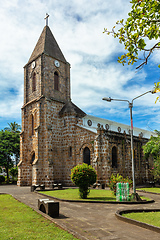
<point>2,178</point>
<point>83,176</point>
<point>118,178</point>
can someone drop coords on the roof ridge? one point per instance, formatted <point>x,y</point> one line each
<point>47,44</point>
<point>70,108</point>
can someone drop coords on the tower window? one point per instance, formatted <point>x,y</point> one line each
<point>114,157</point>
<point>34,82</point>
<point>56,81</point>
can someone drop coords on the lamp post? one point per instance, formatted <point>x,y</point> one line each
<point>131,120</point>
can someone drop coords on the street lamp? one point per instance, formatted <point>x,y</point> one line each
<point>109,99</point>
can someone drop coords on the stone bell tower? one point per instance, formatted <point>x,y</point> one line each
<point>46,90</point>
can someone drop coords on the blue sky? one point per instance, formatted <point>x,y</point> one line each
<point>78,28</point>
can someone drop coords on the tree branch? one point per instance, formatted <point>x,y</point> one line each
<point>150,52</point>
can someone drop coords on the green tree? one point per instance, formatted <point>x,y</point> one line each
<point>83,176</point>
<point>9,146</point>
<point>156,169</point>
<point>14,173</point>
<point>13,127</point>
<point>2,179</point>
<point>143,24</point>
<point>152,148</point>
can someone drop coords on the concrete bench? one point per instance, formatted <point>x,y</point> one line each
<point>96,185</point>
<point>151,183</point>
<point>42,187</point>
<point>49,207</point>
<point>34,187</point>
<point>57,185</point>
<point>54,185</point>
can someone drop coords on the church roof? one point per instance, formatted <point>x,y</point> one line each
<point>48,45</point>
<point>70,108</point>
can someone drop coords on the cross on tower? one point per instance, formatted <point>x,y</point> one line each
<point>46,18</point>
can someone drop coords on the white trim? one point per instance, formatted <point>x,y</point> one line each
<point>113,126</point>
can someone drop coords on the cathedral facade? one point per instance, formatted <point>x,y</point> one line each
<point>57,135</point>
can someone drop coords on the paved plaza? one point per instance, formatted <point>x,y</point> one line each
<point>91,220</point>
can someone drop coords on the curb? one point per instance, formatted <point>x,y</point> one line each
<point>107,202</point>
<point>119,213</point>
<point>143,191</point>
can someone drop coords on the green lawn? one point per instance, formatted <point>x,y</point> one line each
<point>154,189</point>
<point>152,218</point>
<point>72,194</point>
<point>17,221</point>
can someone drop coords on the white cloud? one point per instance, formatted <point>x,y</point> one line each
<point>77,27</point>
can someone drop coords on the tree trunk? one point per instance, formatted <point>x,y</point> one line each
<point>7,170</point>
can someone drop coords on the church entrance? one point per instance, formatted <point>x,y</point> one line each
<point>86,155</point>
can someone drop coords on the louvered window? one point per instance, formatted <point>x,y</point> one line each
<point>56,81</point>
<point>34,82</point>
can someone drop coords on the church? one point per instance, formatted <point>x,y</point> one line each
<point>57,135</point>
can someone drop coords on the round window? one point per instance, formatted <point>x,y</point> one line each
<point>89,122</point>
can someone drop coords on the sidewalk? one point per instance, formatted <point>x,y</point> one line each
<point>91,220</point>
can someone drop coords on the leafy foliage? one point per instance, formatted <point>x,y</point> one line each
<point>2,178</point>
<point>14,173</point>
<point>142,24</point>
<point>156,169</point>
<point>13,127</point>
<point>152,147</point>
<point>118,178</point>
<point>9,146</point>
<point>83,176</point>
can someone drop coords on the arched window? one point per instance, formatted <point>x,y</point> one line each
<point>56,81</point>
<point>33,158</point>
<point>86,155</point>
<point>32,124</point>
<point>34,82</point>
<point>70,151</point>
<point>114,157</point>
